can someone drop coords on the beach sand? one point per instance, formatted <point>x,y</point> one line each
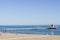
<point>10,36</point>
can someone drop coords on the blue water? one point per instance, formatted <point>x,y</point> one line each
<point>39,31</point>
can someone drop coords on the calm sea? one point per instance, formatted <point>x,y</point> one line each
<point>43,29</point>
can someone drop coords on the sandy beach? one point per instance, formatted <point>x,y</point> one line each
<point>10,36</point>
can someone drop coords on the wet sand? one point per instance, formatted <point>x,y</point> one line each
<point>10,36</point>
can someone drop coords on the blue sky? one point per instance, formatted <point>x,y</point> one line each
<point>29,12</point>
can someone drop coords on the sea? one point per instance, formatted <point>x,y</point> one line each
<point>30,29</point>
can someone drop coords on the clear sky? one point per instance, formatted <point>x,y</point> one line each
<point>29,12</point>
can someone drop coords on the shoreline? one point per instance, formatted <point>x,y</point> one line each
<point>12,36</point>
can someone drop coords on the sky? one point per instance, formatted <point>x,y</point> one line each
<point>29,12</point>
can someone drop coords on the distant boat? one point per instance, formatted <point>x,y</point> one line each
<point>52,26</point>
